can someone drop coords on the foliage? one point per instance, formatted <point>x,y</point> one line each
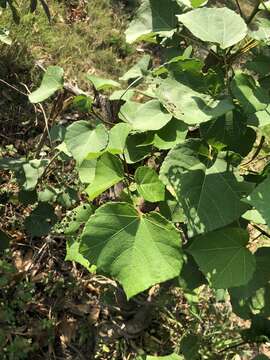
<point>181,142</point>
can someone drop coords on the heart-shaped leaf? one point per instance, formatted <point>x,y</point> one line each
<point>139,250</point>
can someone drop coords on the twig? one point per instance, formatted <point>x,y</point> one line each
<point>259,148</point>
<point>239,9</point>
<point>263,232</point>
<point>253,13</point>
<point>45,131</point>
<point>13,87</point>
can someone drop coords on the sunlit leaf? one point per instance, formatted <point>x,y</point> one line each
<point>139,250</point>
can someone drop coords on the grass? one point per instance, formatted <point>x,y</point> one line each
<point>83,36</point>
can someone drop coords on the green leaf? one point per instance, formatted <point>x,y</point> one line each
<point>138,147</point>
<point>33,170</point>
<point>144,117</point>
<point>4,240</point>
<point>117,138</point>
<point>73,254</point>
<point>261,357</point>
<point>260,277</point>
<point>41,220</point>
<point>68,198</point>
<point>210,194</point>
<point>138,70</point>
<point>139,250</point>
<point>122,95</point>
<point>189,105</point>
<point>83,140</point>
<point>76,217</point>
<point>168,357</point>
<point>190,346</point>
<point>254,216</point>
<point>148,184</point>
<point>260,199</point>
<point>87,170</point>
<point>192,3</point>
<point>109,171</point>
<point>217,25</point>
<point>171,209</point>
<point>229,131</point>
<point>82,103</point>
<point>259,64</point>
<point>100,83</point>
<point>251,96</point>
<point>170,135</point>
<point>260,29</point>
<point>153,17</point>
<point>49,194</point>
<point>224,258</point>
<point>53,80</point>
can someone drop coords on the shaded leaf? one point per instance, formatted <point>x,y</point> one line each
<point>4,240</point>
<point>41,220</point>
<point>251,96</point>
<point>224,258</point>
<point>210,194</point>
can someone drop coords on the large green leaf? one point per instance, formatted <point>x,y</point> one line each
<point>109,171</point>
<point>223,257</point>
<point>153,17</point>
<point>144,117</point>
<point>260,199</point>
<point>189,105</point>
<point>209,194</point>
<point>251,96</point>
<point>139,250</point>
<point>52,81</point>
<point>217,25</point>
<point>148,184</point>
<point>83,140</point>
